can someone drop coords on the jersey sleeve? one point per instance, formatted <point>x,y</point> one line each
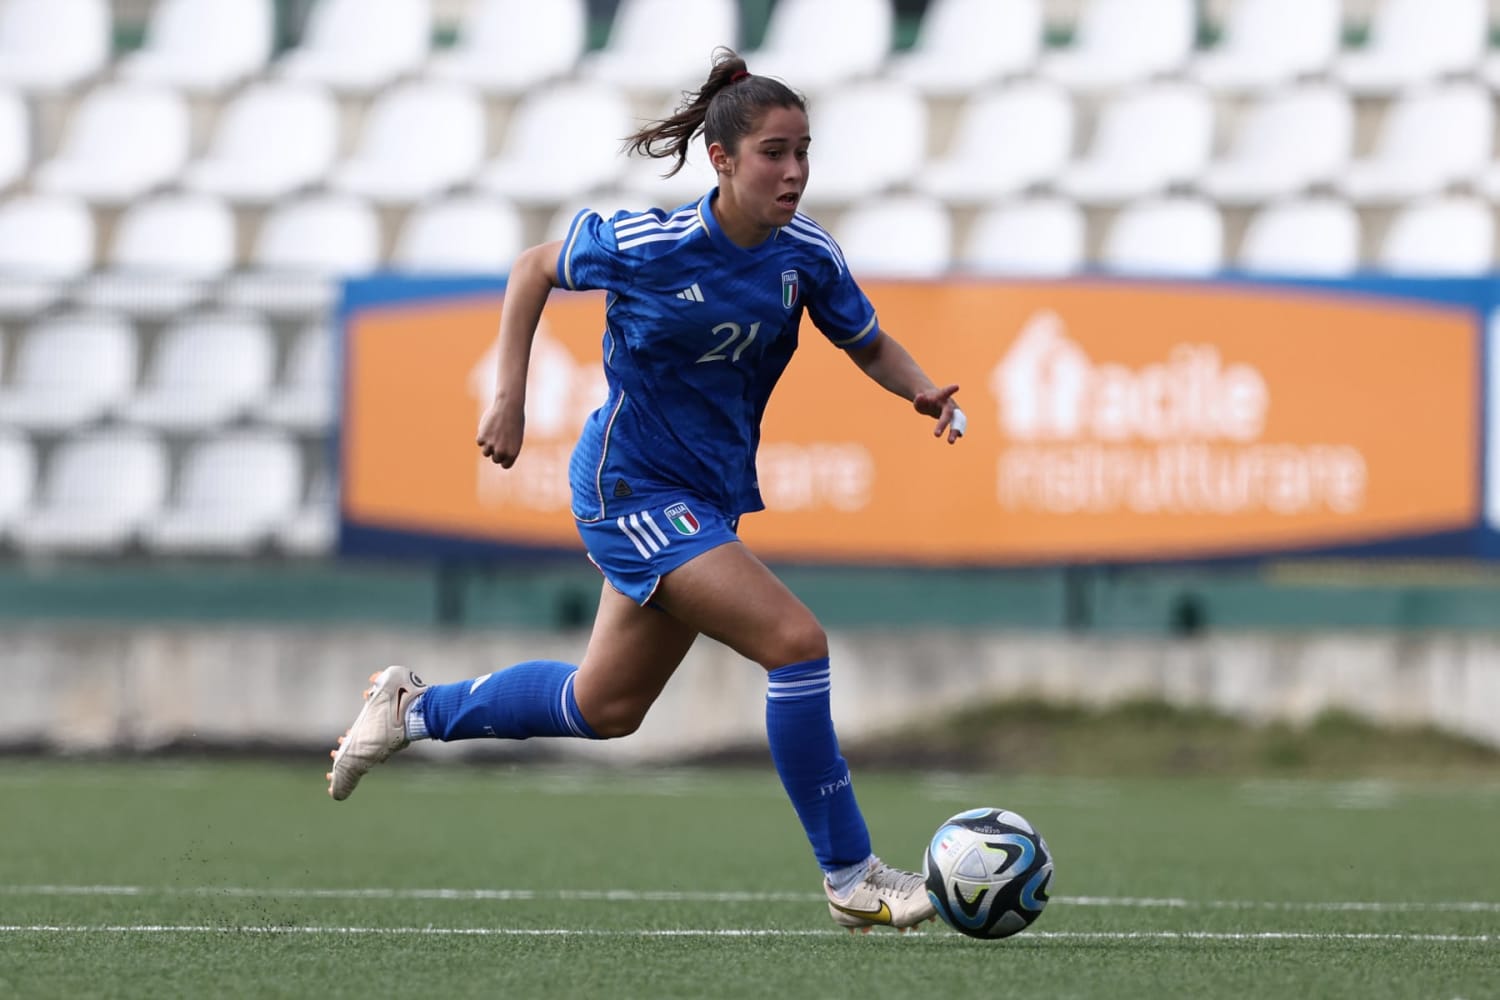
<point>840,308</point>
<point>590,256</point>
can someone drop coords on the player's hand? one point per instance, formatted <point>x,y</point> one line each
<point>939,403</point>
<point>501,430</point>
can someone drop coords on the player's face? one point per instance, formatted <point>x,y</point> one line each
<point>769,169</point>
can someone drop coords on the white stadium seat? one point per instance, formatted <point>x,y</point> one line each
<point>986,162</point>
<point>122,141</point>
<point>165,254</point>
<point>98,489</point>
<point>302,250</point>
<point>1431,137</point>
<point>303,398</point>
<point>312,529</point>
<point>663,45</point>
<point>70,370</point>
<point>854,156</point>
<point>464,234</point>
<point>204,372</point>
<point>1267,43</point>
<point>272,140</point>
<point>1119,42</point>
<point>18,476</point>
<point>360,46</point>
<point>233,492</point>
<point>49,46</point>
<point>1287,141</point>
<point>896,237</point>
<point>46,243</point>
<point>419,139</point>
<point>817,44</point>
<point>1146,139</point>
<point>1414,42</point>
<point>541,163</point>
<point>1443,236</point>
<point>1314,237</point>
<point>1036,237</point>
<point>1166,236</point>
<point>15,137</point>
<point>510,46</point>
<point>204,46</point>
<point>963,46</point>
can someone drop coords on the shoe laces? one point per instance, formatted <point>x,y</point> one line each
<point>901,883</point>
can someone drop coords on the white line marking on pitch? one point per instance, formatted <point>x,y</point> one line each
<point>667,896</point>
<point>707,932</point>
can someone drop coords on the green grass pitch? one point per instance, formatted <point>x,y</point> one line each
<point>214,879</point>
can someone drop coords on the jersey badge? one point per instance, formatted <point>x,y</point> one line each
<point>682,519</point>
<point>788,289</point>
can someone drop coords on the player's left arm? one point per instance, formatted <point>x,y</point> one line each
<point>891,366</point>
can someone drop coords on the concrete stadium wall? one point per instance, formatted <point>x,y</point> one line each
<point>95,688</point>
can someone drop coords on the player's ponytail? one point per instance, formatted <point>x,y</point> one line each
<point>726,107</point>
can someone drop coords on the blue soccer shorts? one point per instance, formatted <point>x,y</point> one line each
<point>635,550</point>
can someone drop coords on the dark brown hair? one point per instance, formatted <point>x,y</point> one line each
<point>726,107</point>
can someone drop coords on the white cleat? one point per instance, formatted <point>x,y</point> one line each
<point>885,897</point>
<point>378,731</point>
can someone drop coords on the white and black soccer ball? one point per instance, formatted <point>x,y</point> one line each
<point>987,872</point>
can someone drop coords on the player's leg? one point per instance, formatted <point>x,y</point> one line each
<point>730,595</point>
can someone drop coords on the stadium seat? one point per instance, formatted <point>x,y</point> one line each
<point>606,203</point>
<point>69,370</point>
<point>464,234</point>
<point>1165,236</point>
<point>17,478</point>
<point>419,139</point>
<point>203,46</point>
<point>1312,236</point>
<point>204,372</point>
<point>165,253</point>
<point>1267,43</point>
<point>1415,42</point>
<point>963,46</point>
<point>1037,237</point>
<point>1431,137</point>
<point>986,162</point>
<point>510,46</point>
<point>303,398</point>
<point>313,528</point>
<point>856,156</point>
<point>1146,139</point>
<point>818,44</point>
<point>358,47</point>
<point>98,489</point>
<point>1447,236</point>
<point>46,242</point>
<point>541,163</point>
<point>121,142</point>
<point>304,246</point>
<point>908,236</point>
<point>15,137</point>
<point>49,46</point>
<point>1120,42</point>
<point>1287,141</point>
<point>233,492</point>
<point>272,140</point>
<point>663,45</point>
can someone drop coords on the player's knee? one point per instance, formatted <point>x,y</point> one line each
<point>610,722</point>
<point>795,641</point>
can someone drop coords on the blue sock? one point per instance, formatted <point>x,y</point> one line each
<point>799,726</point>
<point>534,698</point>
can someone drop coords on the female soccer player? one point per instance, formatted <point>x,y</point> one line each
<point>702,317</point>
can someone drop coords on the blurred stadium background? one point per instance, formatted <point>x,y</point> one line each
<point>186,186</point>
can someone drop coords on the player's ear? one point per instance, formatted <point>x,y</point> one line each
<point>719,157</point>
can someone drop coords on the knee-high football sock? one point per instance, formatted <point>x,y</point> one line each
<point>799,726</point>
<point>534,698</point>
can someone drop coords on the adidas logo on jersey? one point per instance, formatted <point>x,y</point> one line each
<point>691,294</point>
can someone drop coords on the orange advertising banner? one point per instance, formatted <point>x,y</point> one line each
<point>1107,421</point>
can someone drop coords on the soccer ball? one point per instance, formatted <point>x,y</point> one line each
<point>987,872</point>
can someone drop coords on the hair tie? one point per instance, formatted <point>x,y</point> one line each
<point>739,75</point>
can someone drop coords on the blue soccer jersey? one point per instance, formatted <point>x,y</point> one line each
<point>697,332</point>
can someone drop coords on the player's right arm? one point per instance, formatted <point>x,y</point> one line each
<point>532,278</point>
